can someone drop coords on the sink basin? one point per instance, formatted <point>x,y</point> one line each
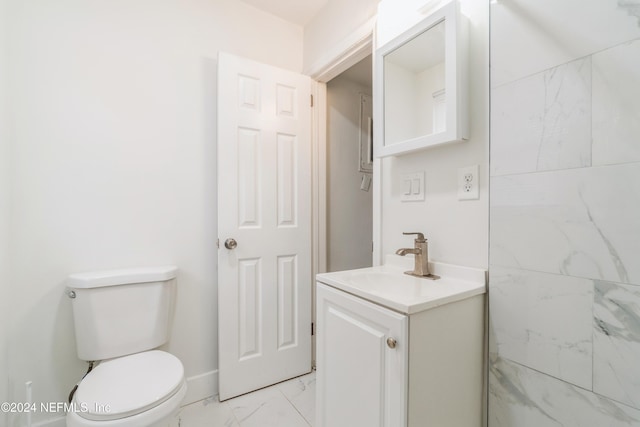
<point>388,285</point>
<point>386,282</point>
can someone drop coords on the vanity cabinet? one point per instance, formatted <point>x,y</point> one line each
<point>360,378</point>
<point>380,367</point>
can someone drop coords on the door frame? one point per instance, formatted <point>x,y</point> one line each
<point>351,50</point>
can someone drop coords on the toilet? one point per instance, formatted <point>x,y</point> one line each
<point>120,318</point>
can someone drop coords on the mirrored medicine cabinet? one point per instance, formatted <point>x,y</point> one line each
<point>421,85</point>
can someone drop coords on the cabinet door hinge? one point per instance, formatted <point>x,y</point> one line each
<point>313,331</point>
<point>312,100</point>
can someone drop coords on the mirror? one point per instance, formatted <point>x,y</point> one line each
<point>421,85</point>
<point>414,87</point>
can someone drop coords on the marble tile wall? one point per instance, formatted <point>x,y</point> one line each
<point>542,122</point>
<point>522,397</point>
<point>616,342</point>
<point>616,104</point>
<point>565,201</point>
<point>544,321</point>
<point>529,36</point>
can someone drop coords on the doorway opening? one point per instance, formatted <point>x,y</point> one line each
<point>349,169</point>
<point>348,55</point>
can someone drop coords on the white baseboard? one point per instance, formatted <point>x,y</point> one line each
<point>201,386</point>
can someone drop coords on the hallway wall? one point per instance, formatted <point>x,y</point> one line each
<point>349,220</point>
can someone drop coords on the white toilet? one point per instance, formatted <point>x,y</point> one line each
<point>120,317</point>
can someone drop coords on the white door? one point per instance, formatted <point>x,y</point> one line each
<point>361,380</point>
<point>264,205</point>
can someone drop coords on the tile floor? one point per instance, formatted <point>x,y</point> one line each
<point>288,404</point>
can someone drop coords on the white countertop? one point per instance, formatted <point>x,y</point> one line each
<point>388,286</point>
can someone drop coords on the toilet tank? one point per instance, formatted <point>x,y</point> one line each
<point>120,312</point>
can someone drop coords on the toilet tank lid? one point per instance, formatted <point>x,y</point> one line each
<point>97,279</point>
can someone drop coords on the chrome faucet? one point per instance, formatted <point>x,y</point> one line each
<point>420,251</point>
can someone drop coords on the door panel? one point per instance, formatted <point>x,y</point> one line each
<point>264,203</point>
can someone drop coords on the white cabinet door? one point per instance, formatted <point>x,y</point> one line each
<point>361,380</point>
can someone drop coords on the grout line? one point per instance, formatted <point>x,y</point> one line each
<point>293,406</point>
<point>292,403</point>
<point>233,414</point>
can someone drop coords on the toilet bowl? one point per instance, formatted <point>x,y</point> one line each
<point>143,389</point>
<point>121,317</point>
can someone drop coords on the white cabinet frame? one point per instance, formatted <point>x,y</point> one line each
<point>456,84</point>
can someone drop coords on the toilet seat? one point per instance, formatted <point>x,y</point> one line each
<point>129,385</point>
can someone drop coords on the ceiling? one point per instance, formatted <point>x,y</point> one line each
<point>297,11</point>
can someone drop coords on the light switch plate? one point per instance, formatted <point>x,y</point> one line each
<point>412,185</point>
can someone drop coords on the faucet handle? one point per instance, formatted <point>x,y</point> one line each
<point>420,237</point>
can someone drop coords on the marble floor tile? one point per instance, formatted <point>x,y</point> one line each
<point>301,392</point>
<point>266,407</point>
<point>287,404</point>
<point>209,412</point>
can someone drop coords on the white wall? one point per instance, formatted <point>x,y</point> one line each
<point>349,209</point>
<point>4,219</point>
<point>114,162</point>
<point>457,230</point>
<point>332,30</point>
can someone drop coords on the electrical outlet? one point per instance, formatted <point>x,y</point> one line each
<point>468,183</point>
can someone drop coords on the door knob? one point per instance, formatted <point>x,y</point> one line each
<point>391,343</point>
<point>230,243</point>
